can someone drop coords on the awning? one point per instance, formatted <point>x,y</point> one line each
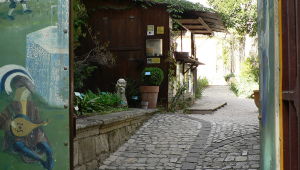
<point>189,60</point>
<point>199,22</point>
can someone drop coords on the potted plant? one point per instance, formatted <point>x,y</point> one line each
<point>255,96</point>
<point>152,76</point>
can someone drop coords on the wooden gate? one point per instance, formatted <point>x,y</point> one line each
<point>290,34</point>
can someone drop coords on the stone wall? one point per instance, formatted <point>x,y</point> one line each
<point>98,136</point>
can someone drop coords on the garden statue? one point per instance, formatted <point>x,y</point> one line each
<point>120,88</point>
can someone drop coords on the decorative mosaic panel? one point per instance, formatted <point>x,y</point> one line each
<point>34,84</point>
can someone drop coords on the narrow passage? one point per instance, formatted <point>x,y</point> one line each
<point>226,139</point>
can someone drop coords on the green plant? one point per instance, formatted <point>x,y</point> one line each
<point>99,103</point>
<point>240,15</point>
<point>155,78</point>
<point>228,76</point>
<point>160,107</point>
<point>84,65</point>
<point>201,84</point>
<point>234,88</point>
<point>178,100</point>
<point>132,92</point>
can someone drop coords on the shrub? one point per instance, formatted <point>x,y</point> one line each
<point>248,78</point>
<point>178,101</point>
<point>155,78</point>
<point>100,103</point>
<point>234,88</point>
<point>201,84</point>
<point>228,76</point>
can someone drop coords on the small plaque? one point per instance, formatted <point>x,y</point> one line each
<point>77,94</point>
<point>160,30</point>
<point>147,73</point>
<point>153,60</point>
<point>150,29</point>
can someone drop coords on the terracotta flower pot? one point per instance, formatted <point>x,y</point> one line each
<point>255,96</point>
<point>149,94</point>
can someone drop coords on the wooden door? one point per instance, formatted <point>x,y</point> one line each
<point>290,83</point>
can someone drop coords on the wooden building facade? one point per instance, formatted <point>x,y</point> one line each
<point>142,38</point>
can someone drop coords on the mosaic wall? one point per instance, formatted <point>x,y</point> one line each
<point>34,84</point>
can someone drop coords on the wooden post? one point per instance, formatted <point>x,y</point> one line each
<point>181,39</point>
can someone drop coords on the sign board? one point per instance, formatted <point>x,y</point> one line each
<point>147,73</point>
<point>34,85</point>
<point>153,60</point>
<point>150,29</point>
<point>160,30</point>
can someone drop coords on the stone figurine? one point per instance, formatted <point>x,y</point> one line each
<point>120,88</point>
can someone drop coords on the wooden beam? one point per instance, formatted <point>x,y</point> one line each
<point>189,68</point>
<point>124,49</point>
<point>205,25</point>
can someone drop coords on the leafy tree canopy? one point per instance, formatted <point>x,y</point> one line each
<point>238,14</point>
<point>176,7</point>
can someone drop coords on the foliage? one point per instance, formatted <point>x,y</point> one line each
<point>238,14</point>
<point>201,84</point>
<point>176,7</point>
<point>248,78</point>
<point>80,19</point>
<point>132,89</point>
<point>160,107</point>
<point>226,54</point>
<point>100,103</point>
<point>109,7</point>
<point>84,65</point>
<point>250,69</point>
<point>228,76</point>
<point>234,88</point>
<point>155,78</point>
<point>178,101</point>
<point>81,72</point>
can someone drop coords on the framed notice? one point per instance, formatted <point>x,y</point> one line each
<point>150,29</point>
<point>160,30</point>
<point>153,60</point>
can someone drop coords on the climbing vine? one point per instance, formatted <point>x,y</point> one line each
<point>83,65</point>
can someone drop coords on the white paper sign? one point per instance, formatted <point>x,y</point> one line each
<point>150,29</point>
<point>147,73</point>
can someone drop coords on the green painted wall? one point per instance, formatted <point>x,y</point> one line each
<point>267,93</point>
<point>32,41</point>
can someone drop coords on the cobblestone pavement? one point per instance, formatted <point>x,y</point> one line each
<point>177,141</point>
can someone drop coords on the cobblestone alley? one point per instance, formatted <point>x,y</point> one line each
<point>227,139</point>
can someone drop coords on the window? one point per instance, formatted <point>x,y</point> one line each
<point>154,47</point>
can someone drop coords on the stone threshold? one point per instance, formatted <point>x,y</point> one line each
<point>206,108</point>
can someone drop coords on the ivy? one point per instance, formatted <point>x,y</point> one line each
<point>114,8</point>
<point>177,7</point>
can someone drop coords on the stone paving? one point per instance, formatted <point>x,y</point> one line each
<point>178,141</point>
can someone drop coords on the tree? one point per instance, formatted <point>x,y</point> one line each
<point>240,15</point>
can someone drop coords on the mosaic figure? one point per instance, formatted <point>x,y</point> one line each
<point>21,120</point>
<point>13,5</point>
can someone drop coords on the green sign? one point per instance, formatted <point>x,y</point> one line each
<point>34,84</point>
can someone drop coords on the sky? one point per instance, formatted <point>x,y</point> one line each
<point>203,2</point>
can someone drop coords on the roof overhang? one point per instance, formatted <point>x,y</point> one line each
<point>188,60</point>
<point>199,22</point>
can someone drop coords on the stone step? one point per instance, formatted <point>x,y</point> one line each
<point>207,108</point>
